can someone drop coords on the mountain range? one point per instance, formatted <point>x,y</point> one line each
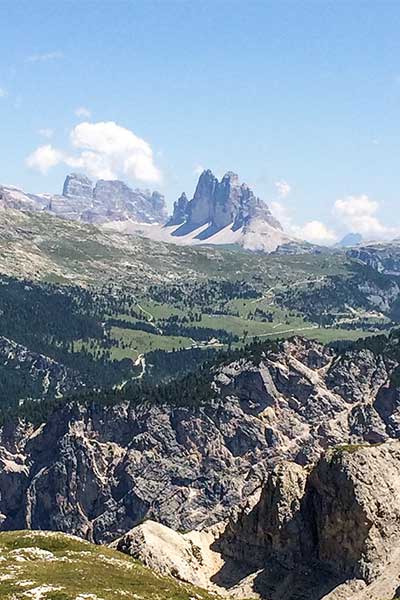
<point>224,212</point>
<point>149,389</point>
<point>84,201</point>
<point>244,470</point>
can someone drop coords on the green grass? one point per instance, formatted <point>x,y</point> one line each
<point>160,311</point>
<point>140,342</point>
<point>71,568</point>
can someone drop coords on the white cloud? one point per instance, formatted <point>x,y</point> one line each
<point>315,232</point>
<point>105,150</point>
<point>46,132</point>
<point>45,57</point>
<point>283,187</point>
<point>82,112</point>
<point>3,93</point>
<point>44,158</point>
<point>358,214</point>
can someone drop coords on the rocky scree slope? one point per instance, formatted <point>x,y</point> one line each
<point>97,470</point>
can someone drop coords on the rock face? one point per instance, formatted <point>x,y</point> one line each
<point>224,212</point>
<point>78,186</point>
<point>382,257</point>
<point>222,203</point>
<point>97,471</point>
<point>313,530</point>
<point>328,531</point>
<point>350,239</point>
<point>180,212</point>
<point>186,556</point>
<point>11,197</point>
<point>48,377</point>
<point>83,201</point>
<point>114,200</point>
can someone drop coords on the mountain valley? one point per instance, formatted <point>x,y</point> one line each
<point>193,407</point>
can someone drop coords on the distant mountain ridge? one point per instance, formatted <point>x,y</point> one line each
<point>225,212</point>
<point>350,239</point>
<point>82,200</point>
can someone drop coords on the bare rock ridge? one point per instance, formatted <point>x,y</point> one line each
<point>78,186</point>
<point>380,256</point>
<point>180,213</point>
<point>330,531</point>
<point>224,212</point>
<point>91,203</point>
<point>327,532</point>
<point>99,470</point>
<point>219,204</point>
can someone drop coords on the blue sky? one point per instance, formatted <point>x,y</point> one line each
<point>303,94</point>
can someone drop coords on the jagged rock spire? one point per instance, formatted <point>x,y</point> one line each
<point>221,203</point>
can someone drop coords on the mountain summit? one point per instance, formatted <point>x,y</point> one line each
<point>224,212</point>
<point>83,200</point>
<point>221,203</point>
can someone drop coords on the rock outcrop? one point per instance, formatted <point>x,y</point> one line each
<point>186,556</point>
<point>46,376</point>
<point>180,211</point>
<point>114,201</point>
<point>380,256</point>
<point>349,240</point>
<point>81,200</point>
<point>78,186</point>
<point>224,212</point>
<point>219,204</point>
<point>329,532</point>
<point>12,197</point>
<point>97,471</point>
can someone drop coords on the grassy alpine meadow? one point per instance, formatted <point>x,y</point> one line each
<point>55,566</point>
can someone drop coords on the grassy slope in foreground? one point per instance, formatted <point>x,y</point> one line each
<point>55,566</point>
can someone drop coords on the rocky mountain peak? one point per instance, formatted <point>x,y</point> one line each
<point>77,185</point>
<point>221,203</point>
<point>107,200</point>
<point>231,177</point>
<point>180,210</point>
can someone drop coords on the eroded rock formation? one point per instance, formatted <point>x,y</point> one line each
<point>97,471</point>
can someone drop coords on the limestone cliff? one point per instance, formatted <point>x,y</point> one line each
<point>97,471</point>
<point>329,531</point>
